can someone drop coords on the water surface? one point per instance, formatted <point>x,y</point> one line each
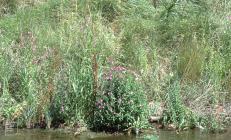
<point>56,135</point>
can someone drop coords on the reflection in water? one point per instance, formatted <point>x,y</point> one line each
<point>54,135</point>
<point>163,135</point>
<point>33,135</point>
<point>193,135</point>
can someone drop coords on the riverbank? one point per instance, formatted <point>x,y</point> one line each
<point>101,63</point>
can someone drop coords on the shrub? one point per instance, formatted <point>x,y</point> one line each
<point>121,102</point>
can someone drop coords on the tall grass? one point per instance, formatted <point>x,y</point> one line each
<point>54,53</point>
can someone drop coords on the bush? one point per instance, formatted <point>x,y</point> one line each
<point>121,102</point>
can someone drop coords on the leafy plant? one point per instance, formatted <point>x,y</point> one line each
<point>121,103</point>
<point>177,113</point>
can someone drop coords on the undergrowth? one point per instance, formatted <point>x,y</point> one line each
<point>54,55</point>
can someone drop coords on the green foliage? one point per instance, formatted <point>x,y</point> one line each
<point>178,114</point>
<point>73,97</point>
<point>121,103</point>
<point>191,59</point>
<point>137,35</point>
<point>47,65</point>
<point>109,9</point>
<point>211,124</point>
<point>7,108</point>
<point>8,6</point>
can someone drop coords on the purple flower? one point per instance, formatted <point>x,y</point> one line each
<point>100,104</point>
<point>109,76</point>
<point>118,68</point>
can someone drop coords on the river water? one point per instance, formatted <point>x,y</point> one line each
<point>55,135</point>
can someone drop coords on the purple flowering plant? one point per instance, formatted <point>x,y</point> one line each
<point>120,102</point>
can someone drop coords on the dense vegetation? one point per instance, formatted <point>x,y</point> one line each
<point>102,61</point>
